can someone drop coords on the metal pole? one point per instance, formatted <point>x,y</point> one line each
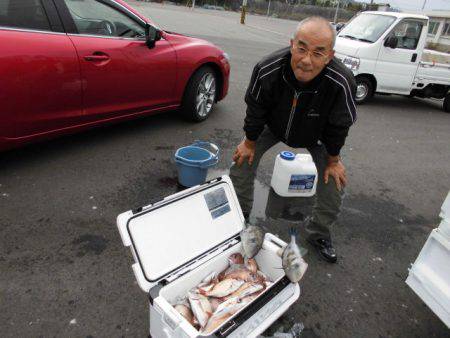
<point>243,8</point>
<point>268,9</point>
<point>336,13</point>
<point>424,3</point>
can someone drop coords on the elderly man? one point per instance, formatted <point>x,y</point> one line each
<point>303,97</point>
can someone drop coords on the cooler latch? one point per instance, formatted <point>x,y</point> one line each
<point>154,292</point>
<point>140,209</point>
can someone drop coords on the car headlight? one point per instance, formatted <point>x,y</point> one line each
<point>351,62</point>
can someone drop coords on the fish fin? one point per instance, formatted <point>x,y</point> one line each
<point>303,251</point>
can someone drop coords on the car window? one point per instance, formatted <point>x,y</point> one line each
<point>96,18</point>
<point>29,14</point>
<point>408,34</point>
<point>367,27</point>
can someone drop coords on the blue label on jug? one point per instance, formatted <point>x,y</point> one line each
<point>301,183</point>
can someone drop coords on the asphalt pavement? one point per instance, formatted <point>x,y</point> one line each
<point>65,272</point>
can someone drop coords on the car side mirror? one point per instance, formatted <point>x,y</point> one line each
<point>391,42</point>
<point>152,35</point>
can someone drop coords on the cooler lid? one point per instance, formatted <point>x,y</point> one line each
<point>179,229</point>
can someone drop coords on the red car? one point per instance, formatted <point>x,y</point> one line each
<point>67,65</point>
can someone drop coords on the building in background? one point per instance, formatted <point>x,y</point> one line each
<point>439,30</point>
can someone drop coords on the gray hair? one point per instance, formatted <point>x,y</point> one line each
<point>317,19</point>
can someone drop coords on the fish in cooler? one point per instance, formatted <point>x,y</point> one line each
<point>223,288</point>
<point>221,295</point>
<point>201,307</point>
<point>252,240</point>
<point>185,311</point>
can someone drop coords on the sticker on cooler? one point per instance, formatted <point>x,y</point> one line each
<point>217,202</point>
<point>301,183</point>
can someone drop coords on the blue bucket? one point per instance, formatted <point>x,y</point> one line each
<point>193,162</point>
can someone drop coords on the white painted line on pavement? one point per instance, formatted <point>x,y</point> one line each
<point>267,30</point>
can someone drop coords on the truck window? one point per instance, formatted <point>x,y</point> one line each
<point>408,33</point>
<point>28,14</point>
<point>367,27</point>
<point>95,18</point>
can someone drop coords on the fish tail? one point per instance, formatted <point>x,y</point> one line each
<point>293,231</point>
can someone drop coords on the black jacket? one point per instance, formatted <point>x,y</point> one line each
<point>324,109</point>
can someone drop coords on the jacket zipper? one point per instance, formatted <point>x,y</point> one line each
<point>294,106</point>
<point>291,116</point>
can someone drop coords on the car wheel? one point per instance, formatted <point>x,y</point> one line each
<point>364,90</point>
<point>446,103</point>
<point>200,95</point>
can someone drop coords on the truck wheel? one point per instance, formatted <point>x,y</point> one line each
<point>200,95</point>
<point>364,89</point>
<point>446,104</point>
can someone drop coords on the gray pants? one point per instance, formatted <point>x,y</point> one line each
<point>327,201</point>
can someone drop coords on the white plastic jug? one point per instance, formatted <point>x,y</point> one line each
<point>294,175</point>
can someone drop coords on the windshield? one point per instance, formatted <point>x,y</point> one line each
<point>367,27</point>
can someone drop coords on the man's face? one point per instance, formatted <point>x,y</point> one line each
<point>311,50</point>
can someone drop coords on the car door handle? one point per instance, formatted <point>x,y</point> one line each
<point>414,57</point>
<point>96,57</point>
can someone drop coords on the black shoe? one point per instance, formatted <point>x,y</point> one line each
<point>246,216</point>
<point>325,249</point>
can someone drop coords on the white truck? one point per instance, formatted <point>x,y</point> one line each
<point>385,51</point>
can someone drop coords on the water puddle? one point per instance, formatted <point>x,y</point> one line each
<point>268,205</point>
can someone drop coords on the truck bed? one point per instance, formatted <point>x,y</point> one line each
<point>433,56</point>
<point>432,72</point>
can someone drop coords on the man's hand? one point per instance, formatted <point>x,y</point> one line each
<point>245,149</point>
<point>336,169</point>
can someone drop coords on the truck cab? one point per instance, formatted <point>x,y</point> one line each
<point>384,51</point>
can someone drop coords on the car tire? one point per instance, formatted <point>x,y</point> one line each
<point>446,103</point>
<point>364,90</point>
<point>200,95</point>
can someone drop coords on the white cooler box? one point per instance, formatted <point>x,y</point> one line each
<point>179,240</point>
<point>429,276</point>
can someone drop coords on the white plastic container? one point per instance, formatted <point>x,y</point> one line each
<point>445,209</point>
<point>429,276</point>
<point>294,175</point>
<point>177,241</point>
<point>444,227</point>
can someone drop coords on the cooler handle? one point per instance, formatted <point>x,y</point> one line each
<point>277,241</point>
<point>275,244</point>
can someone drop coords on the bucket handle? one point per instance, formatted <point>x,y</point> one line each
<point>211,147</point>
